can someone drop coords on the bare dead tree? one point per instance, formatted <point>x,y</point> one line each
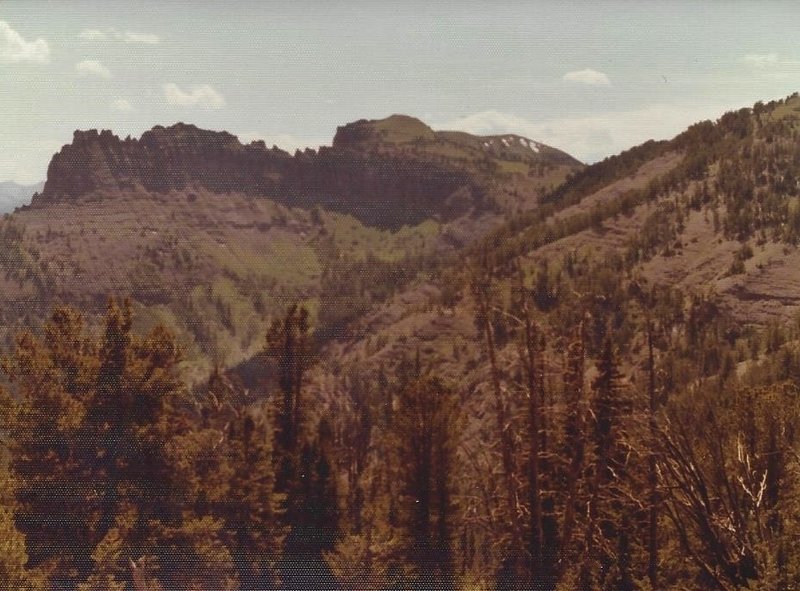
<point>652,546</point>
<point>481,288</point>
<point>139,575</point>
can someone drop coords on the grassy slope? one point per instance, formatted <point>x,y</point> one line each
<point>214,269</point>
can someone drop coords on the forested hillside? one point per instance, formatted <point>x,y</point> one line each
<point>211,237</point>
<point>549,377</point>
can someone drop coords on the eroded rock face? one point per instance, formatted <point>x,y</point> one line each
<point>163,159</point>
<point>379,189</point>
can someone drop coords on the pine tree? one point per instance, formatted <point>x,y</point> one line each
<point>52,380</point>
<point>252,508</point>
<point>110,412</point>
<point>109,573</point>
<point>226,466</point>
<point>425,425</point>
<point>608,513</point>
<point>191,555</point>
<point>13,557</point>
<point>652,475</point>
<point>371,550</point>
<point>312,515</point>
<point>728,489</point>
<point>288,346</point>
<point>574,442</point>
<point>89,441</point>
<point>307,475</point>
<point>482,291</point>
<point>14,573</point>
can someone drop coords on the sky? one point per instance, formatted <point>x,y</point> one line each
<point>590,78</point>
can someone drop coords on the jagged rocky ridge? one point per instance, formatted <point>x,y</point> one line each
<point>385,189</point>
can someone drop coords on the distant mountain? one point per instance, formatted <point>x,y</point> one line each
<point>404,134</point>
<point>211,236</point>
<point>12,195</point>
<point>387,173</point>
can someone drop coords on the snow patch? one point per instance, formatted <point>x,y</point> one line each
<point>534,146</point>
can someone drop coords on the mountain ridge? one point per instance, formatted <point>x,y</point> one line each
<point>400,129</point>
<point>439,178</point>
<point>640,206</point>
<point>198,228</point>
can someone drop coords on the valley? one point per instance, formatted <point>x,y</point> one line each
<point>530,347</point>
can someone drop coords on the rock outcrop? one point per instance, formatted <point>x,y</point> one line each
<point>379,189</point>
<point>387,172</point>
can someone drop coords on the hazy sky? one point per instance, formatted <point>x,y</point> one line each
<point>591,78</point>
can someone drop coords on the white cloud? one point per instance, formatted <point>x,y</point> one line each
<point>92,34</point>
<point>770,62</point>
<point>143,38</point>
<point>14,49</point>
<point>589,77</point>
<point>126,36</point>
<point>203,96</point>
<point>94,68</point>
<point>771,66</point>
<point>761,60</point>
<point>284,141</point>
<point>592,137</point>
<point>122,105</point>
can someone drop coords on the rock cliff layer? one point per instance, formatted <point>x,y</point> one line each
<point>387,173</point>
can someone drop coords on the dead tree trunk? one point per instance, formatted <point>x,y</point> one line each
<point>139,575</point>
<point>481,288</point>
<point>534,418</point>
<point>652,562</point>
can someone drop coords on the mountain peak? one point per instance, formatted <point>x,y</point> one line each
<point>395,129</point>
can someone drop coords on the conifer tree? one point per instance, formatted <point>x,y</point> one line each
<point>312,516</point>
<point>252,509</point>
<point>110,411</point>
<point>574,442</point>
<point>307,473</point>
<point>482,290</point>
<point>13,557</point>
<point>226,464</point>
<point>52,380</point>
<point>288,346</point>
<point>89,440</point>
<point>652,476</point>
<point>425,426</point>
<point>371,550</point>
<point>608,524</point>
<point>14,573</point>
<point>108,572</point>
